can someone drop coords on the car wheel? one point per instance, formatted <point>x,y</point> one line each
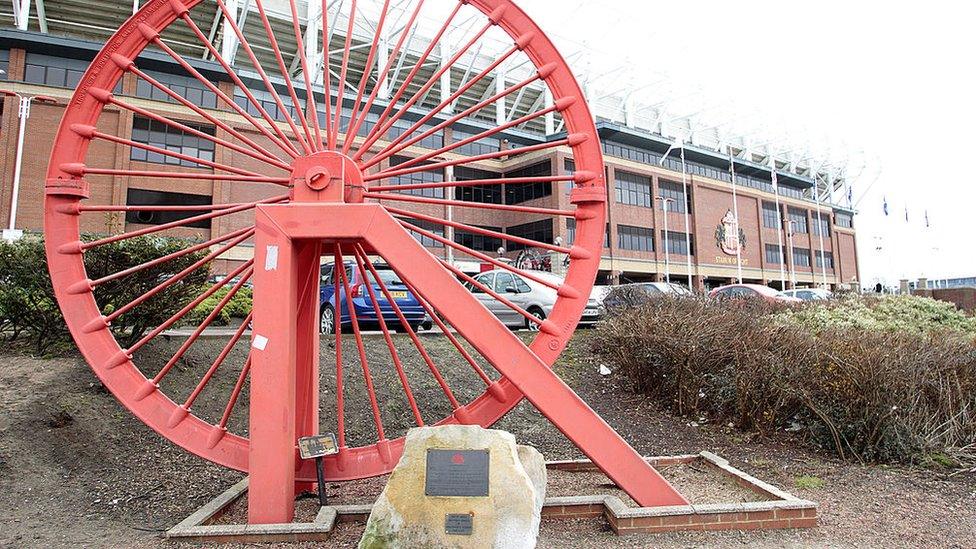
<point>427,325</point>
<point>327,320</point>
<point>538,313</point>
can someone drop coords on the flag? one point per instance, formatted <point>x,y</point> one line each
<point>885,205</point>
<point>679,143</point>
<point>775,182</point>
<point>850,195</point>
<point>926,219</point>
<point>906,213</point>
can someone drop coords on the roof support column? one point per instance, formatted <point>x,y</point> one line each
<point>550,116</point>
<point>500,88</point>
<point>313,22</point>
<point>445,81</point>
<point>382,58</point>
<point>23,14</point>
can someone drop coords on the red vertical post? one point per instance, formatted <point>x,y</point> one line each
<point>308,254</point>
<point>274,356</point>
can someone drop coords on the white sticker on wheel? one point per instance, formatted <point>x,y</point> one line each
<point>271,259</point>
<point>260,342</point>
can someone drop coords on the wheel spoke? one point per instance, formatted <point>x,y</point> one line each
<point>381,76</point>
<point>367,68</point>
<point>337,327</point>
<point>483,257</point>
<point>235,394</point>
<point>463,204</point>
<point>487,232</point>
<point>571,140</point>
<point>367,377</point>
<point>327,77</point>
<point>450,336</point>
<point>178,223</point>
<point>262,154</point>
<point>528,316</point>
<point>310,103</point>
<point>444,104</point>
<point>389,340</point>
<point>273,41</point>
<point>475,183</point>
<point>421,93</point>
<point>255,178</point>
<point>450,121</point>
<point>280,139</point>
<point>168,257</point>
<point>455,405</point>
<point>210,86</point>
<point>204,324</point>
<point>228,18</point>
<point>380,128</point>
<point>343,70</point>
<point>175,278</point>
<point>217,362</point>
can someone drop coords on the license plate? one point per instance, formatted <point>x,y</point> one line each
<point>399,295</point>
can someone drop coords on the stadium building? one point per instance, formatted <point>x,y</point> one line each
<point>673,202</point>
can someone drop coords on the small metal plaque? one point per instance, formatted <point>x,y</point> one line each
<point>461,524</point>
<point>457,473</point>
<point>318,446</point>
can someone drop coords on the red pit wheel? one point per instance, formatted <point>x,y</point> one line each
<point>324,175</point>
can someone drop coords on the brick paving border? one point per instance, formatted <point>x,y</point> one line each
<point>781,510</point>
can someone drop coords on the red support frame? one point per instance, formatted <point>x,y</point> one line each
<point>284,362</point>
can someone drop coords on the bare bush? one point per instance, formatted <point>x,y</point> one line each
<point>876,394</point>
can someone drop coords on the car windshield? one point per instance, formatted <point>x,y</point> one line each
<point>388,277</point>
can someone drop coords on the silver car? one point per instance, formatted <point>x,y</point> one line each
<point>810,294</point>
<point>531,296</point>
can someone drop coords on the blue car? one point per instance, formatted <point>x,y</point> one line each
<point>332,301</point>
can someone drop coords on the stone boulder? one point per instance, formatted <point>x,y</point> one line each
<point>404,517</point>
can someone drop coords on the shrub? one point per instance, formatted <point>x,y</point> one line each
<point>29,311</point>
<point>874,380</point>
<point>239,306</point>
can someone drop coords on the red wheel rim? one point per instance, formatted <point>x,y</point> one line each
<point>278,145</point>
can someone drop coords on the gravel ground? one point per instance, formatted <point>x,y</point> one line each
<point>76,469</point>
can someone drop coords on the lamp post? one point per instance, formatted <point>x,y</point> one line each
<point>667,255</point>
<point>790,224</point>
<point>11,233</point>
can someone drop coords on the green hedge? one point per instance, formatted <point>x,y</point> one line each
<point>29,313</point>
<point>890,379</point>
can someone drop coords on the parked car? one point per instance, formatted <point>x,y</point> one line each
<point>595,310</point>
<point>531,296</point>
<point>751,291</point>
<point>333,301</point>
<point>810,294</point>
<point>629,295</point>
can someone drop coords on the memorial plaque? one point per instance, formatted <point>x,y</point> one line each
<point>456,473</point>
<point>318,446</point>
<point>461,524</point>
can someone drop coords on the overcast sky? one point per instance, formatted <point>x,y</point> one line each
<point>895,80</point>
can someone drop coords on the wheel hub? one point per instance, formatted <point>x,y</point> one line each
<point>326,176</point>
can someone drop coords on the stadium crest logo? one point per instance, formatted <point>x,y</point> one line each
<point>727,237</point>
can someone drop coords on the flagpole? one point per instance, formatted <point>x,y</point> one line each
<point>735,213</point>
<point>823,262</point>
<point>684,185</point>
<point>779,231</point>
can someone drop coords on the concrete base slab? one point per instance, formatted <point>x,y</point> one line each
<point>779,510</point>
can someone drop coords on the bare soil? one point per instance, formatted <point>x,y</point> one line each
<point>77,469</point>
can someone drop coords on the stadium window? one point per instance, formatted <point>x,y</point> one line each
<point>428,176</point>
<point>140,197</point>
<point>639,239</point>
<point>774,255</point>
<point>54,71</point>
<point>570,231</point>
<point>540,231</point>
<point>267,102</point>
<point>771,219</point>
<point>163,136</point>
<point>491,194</point>
<point>828,259</point>
<point>4,64</point>
<point>821,225</point>
<point>675,191</point>
<point>799,219</point>
<point>801,257</point>
<point>676,243</point>
<point>185,86</point>
<point>479,242</point>
<point>429,227</point>
<point>633,189</point>
<point>475,148</point>
<point>432,141</point>
<point>516,193</point>
<point>844,220</point>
